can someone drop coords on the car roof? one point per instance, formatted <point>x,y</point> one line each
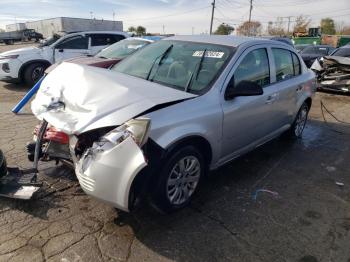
<point>227,40</point>
<point>98,32</point>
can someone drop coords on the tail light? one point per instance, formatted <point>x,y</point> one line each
<point>53,134</point>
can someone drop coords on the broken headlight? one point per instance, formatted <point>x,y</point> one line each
<point>138,129</point>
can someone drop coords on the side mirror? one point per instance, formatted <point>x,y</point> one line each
<point>244,88</point>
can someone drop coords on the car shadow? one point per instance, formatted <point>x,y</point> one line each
<point>17,87</point>
<point>224,217</point>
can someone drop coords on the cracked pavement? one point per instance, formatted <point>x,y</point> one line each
<point>308,221</point>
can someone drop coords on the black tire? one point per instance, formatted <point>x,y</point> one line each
<point>3,166</point>
<point>297,128</point>
<point>33,72</point>
<point>161,196</point>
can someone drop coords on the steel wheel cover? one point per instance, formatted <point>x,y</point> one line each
<point>183,180</point>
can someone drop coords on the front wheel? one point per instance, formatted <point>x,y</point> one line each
<point>34,72</point>
<point>299,123</point>
<point>179,179</point>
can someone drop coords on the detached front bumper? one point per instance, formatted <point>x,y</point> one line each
<point>107,174</point>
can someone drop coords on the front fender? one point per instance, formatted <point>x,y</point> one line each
<point>170,137</point>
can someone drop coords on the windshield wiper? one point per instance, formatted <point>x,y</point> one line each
<point>161,57</point>
<point>196,71</point>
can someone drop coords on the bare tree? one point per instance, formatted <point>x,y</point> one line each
<point>252,28</point>
<point>301,24</point>
<point>339,26</point>
<point>276,28</point>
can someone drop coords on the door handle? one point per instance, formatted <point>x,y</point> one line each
<point>299,88</point>
<point>60,50</point>
<point>271,98</point>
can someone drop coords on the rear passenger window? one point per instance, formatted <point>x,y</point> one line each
<point>283,64</point>
<point>105,39</point>
<point>254,67</point>
<point>296,64</point>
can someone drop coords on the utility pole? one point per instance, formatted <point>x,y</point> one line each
<point>212,17</point>
<point>289,17</point>
<point>250,16</point>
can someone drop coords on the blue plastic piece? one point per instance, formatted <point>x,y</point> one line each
<point>28,96</point>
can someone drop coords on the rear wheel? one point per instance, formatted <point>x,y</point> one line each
<point>34,72</point>
<point>297,128</point>
<point>179,178</point>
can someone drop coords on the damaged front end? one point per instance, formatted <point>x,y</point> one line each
<point>333,73</point>
<point>106,165</point>
<point>101,112</point>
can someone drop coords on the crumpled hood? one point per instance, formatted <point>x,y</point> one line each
<point>91,98</point>
<point>25,50</point>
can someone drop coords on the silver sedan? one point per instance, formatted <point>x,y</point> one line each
<point>157,122</point>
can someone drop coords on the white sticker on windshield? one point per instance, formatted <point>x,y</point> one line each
<point>134,46</point>
<point>211,54</point>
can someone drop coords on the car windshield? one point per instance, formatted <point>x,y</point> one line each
<point>315,50</point>
<point>122,48</point>
<point>342,52</point>
<point>50,41</point>
<point>186,66</point>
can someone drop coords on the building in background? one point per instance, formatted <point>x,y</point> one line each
<point>15,27</point>
<point>51,26</point>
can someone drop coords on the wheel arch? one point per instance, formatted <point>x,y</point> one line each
<point>147,177</point>
<point>308,101</point>
<point>26,64</point>
<point>198,141</point>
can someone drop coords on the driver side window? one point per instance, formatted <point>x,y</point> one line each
<point>254,68</point>
<point>74,42</point>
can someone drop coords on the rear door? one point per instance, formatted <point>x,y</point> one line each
<point>77,45</point>
<point>100,41</point>
<point>288,83</point>
<point>248,120</point>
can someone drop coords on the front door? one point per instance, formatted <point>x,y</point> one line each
<point>74,46</point>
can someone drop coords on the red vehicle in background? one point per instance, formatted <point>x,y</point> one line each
<point>113,54</point>
<point>55,143</point>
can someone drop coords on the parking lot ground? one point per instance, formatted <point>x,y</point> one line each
<point>308,219</point>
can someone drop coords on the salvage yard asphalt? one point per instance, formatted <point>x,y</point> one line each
<point>307,218</point>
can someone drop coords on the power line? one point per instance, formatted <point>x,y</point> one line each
<point>163,16</point>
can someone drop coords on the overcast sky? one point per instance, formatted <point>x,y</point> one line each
<point>177,16</point>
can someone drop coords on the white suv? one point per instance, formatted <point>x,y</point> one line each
<point>28,64</point>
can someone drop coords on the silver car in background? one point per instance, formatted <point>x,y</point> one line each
<point>157,122</point>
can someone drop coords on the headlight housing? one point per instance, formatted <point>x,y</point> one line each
<point>2,57</point>
<point>138,129</point>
